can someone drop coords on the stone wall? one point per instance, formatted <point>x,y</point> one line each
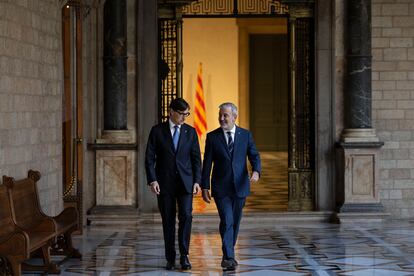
<point>393,101</point>
<point>30,95</point>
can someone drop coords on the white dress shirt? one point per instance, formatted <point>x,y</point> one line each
<point>172,129</point>
<point>232,131</point>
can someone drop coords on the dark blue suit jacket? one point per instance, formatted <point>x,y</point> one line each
<point>229,174</point>
<point>162,163</point>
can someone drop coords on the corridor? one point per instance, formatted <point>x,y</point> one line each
<point>264,248</point>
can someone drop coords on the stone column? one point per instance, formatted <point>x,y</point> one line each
<point>115,74</point>
<point>116,147</point>
<point>357,193</point>
<point>358,92</point>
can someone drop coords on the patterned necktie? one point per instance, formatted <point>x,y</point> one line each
<point>175,137</point>
<point>230,143</point>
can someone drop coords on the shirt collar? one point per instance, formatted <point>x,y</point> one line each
<point>172,124</point>
<point>233,130</point>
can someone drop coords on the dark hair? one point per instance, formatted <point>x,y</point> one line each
<point>179,104</point>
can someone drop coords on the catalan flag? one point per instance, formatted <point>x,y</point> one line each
<point>200,120</point>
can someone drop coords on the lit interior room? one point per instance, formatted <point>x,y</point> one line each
<point>239,64</point>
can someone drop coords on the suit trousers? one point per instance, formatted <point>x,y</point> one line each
<point>167,204</point>
<point>230,211</point>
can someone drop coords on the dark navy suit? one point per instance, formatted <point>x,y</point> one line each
<point>230,183</point>
<point>176,172</point>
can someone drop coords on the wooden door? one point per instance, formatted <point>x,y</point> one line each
<point>268,61</point>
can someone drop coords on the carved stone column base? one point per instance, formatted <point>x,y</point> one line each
<point>358,183</point>
<point>360,212</point>
<point>358,135</point>
<point>300,190</point>
<point>117,137</point>
<point>115,173</point>
<point>360,217</point>
<point>115,177</point>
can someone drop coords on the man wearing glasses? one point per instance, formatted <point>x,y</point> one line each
<point>173,167</point>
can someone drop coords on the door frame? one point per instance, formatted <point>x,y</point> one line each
<point>72,125</point>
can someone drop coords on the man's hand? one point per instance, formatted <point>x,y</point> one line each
<point>206,195</point>
<point>155,187</point>
<point>255,177</point>
<point>196,188</point>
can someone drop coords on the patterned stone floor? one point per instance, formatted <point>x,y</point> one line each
<point>269,194</point>
<point>263,249</point>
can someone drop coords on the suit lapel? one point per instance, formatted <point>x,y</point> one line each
<point>167,133</point>
<point>223,141</point>
<point>237,138</point>
<point>183,136</point>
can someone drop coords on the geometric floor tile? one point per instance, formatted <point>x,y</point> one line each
<point>361,261</point>
<point>263,262</point>
<point>347,250</point>
<point>264,248</point>
<point>320,267</point>
<point>258,251</point>
<point>151,242</point>
<point>340,241</point>
<point>147,263</point>
<point>377,272</point>
<point>158,273</point>
<point>271,273</point>
<point>253,242</point>
<point>153,252</point>
<point>403,232</point>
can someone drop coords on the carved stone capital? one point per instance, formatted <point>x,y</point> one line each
<point>300,11</point>
<point>300,8</point>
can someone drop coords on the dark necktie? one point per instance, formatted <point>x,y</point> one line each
<point>230,143</point>
<point>175,137</point>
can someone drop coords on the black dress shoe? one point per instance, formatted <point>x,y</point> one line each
<point>170,266</point>
<point>185,262</point>
<point>228,264</point>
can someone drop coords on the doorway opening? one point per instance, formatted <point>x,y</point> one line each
<point>244,61</point>
<point>229,38</point>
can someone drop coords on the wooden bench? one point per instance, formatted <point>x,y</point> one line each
<point>66,222</point>
<point>16,244</point>
<point>5,268</point>
<point>28,216</point>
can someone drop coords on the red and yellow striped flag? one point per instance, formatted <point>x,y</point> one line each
<point>200,120</point>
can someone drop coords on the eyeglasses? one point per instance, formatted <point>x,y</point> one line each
<point>185,114</point>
